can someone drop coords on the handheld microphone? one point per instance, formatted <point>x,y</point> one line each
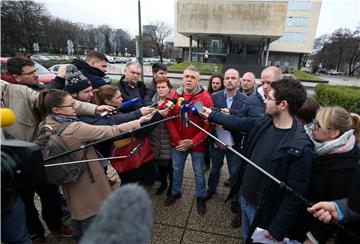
<point>154,105</point>
<point>123,106</point>
<point>185,109</point>
<point>130,103</point>
<point>180,101</point>
<point>124,217</point>
<point>7,117</point>
<point>168,103</point>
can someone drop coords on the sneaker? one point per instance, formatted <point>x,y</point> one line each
<point>172,199</point>
<point>209,195</point>
<point>64,231</point>
<point>227,182</point>
<point>235,207</point>
<point>236,221</point>
<point>201,206</point>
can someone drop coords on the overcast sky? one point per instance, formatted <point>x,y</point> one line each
<point>123,13</point>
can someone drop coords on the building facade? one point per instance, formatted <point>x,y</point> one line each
<point>255,32</point>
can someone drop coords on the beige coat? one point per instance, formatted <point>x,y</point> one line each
<point>84,197</point>
<point>22,100</point>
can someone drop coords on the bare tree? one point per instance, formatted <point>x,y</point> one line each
<point>340,51</point>
<point>158,36</point>
<point>21,24</point>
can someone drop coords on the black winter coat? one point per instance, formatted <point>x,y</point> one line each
<point>290,163</point>
<point>331,179</point>
<point>125,93</point>
<point>95,76</point>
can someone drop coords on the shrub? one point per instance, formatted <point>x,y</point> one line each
<point>347,97</point>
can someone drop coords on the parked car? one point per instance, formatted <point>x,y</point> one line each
<point>54,69</point>
<point>334,72</point>
<point>44,75</point>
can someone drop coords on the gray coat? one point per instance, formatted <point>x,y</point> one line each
<point>160,139</point>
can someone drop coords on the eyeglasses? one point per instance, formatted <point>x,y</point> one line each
<point>66,106</point>
<point>316,125</point>
<point>31,72</point>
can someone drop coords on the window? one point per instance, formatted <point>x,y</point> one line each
<point>297,21</point>
<point>293,36</point>
<point>297,5</point>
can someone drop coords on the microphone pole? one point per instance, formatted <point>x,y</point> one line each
<point>97,159</point>
<point>279,182</point>
<point>107,139</point>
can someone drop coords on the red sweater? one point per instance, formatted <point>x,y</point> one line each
<point>177,129</point>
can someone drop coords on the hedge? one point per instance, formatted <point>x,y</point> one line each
<point>347,97</point>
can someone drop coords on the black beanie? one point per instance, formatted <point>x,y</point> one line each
<point>75,81</point>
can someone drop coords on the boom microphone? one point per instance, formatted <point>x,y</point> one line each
<point>124,217</point>
<point>7,117</point>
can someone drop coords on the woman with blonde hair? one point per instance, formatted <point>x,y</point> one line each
<point>336,134</point>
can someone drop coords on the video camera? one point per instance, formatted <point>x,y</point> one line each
<point>21,164</point>
<point>21,161</point>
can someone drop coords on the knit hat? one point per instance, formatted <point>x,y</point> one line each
<point>75,81</point>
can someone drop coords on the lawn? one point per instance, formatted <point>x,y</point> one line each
<point>304,76</point>
<point>202,67</point>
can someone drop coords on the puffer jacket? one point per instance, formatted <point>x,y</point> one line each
<point>160,139</point>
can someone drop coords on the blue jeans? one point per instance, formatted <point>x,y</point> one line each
<point>13,225</point>
<point>247,214</point>
<point>179,159</point>
<point>217,156</point>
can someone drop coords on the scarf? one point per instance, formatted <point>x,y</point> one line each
<point>342,144</point>
<point>63,118</point>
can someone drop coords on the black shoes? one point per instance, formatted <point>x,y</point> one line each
<point>172,199</point>
<point>161,189</point>
<point>201,206</point>
<point>236,221</point>
<point>209,195</point>
<point>235,207</point>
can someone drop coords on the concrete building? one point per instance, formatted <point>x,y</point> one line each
<point>248,32</point>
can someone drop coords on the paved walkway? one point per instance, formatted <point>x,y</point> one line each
<point>180,222</point>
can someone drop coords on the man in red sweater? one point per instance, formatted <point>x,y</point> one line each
<point>187,139</point>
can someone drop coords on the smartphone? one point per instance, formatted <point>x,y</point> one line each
<point>199,107</point>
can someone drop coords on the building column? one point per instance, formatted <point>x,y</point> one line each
<point>262,53</point>
<point>198,47</point>
<point>190,48</point>
<point>267,51</point>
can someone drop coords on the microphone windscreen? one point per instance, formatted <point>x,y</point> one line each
<point>124,217</point>
<point>7,117</point>
<point>180,101</point>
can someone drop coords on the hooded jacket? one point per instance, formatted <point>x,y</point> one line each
<point>95,76</point>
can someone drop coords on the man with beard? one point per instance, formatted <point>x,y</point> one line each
<point>278,144</point>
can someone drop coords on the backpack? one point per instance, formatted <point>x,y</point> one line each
<point>51,144</point>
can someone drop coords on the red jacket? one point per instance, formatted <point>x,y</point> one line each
<point>177,129</point>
